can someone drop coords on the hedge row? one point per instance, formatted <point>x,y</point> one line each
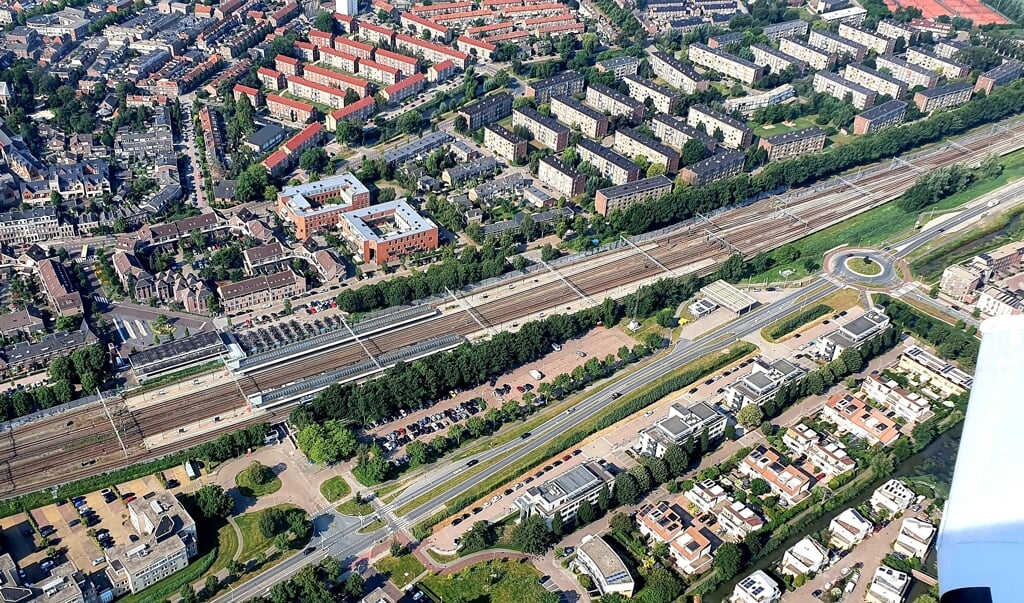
<point>791,323</point>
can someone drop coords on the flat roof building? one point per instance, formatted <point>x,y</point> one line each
<point>631,143</point>
<point>949,96</point>
<point>641,89</point>
<point>837,86</point>
<point>880,82</point>
<point>758,587</point>
<point>928,370</point>
<point>559,176</point>
<point>609,164</point>
<point>563,495</point>
<point>386,232</point>
<point>889,113</point>
<point>621,196</point>
<point>815,57</point>
<point>310,206</point>
<point>950,68</point>
<point>855,416</point>
<point>795,143</point>
<point>727,64</point>
<point>788,481</point>
<point>676,74</point>
<point>676,133</point>
<point>724,164</point>
<point>598,559</point>
<point>504,143</point>
<point>681,424</point>
<point>830,42</point>
<point>728,296</point>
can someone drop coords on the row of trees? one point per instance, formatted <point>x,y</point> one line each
<point>88,368</point>
<point>686,202</point>
<point>934,186</point>
<point>950,342</point>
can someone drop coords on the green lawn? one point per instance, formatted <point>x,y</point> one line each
<point>335,488</point>
<point>491,581</point>
<point>253,541</point>
<point>400,570</point>
<point>883,225</point>
<point>227,545</point>
<point>253,490</point>
<point>349,507</point>
<point>863,266</point>
<point>766,130</point>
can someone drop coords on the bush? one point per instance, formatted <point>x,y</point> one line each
<point>794,321</point>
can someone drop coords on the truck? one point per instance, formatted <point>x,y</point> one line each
<point>536,374</point>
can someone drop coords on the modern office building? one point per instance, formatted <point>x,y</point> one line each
<point>563,495</point>
<point>316,205</point>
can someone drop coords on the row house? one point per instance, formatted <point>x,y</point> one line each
<point>460,20</point>
<point>254,292</point>
<point>577,115</point>
<point>442,8</point>
<point>675,74</point>
<point>536,10</point>
<point>484,31</point>
<point>613,102</point>
<point>59,288</point>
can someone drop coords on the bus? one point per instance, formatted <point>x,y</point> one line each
<point>85,251</point>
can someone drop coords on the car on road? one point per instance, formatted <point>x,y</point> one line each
<point>616,396</point>
<point>526,435</point>
<point>472,462</point>
<point>308,550</point>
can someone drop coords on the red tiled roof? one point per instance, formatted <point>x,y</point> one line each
<point>295,142</point>
<point>294,104</point>
<point>424,22</point>
<point>478,43</point>
<point>409,81</point>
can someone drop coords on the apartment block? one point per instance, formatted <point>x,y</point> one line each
<point>424,27</point>
<point>620,66</point>
<point>271,79</point>
<point>441,72</point>
<point>316,205</point>
<point>610,574</point>
<point>577,115</point>
<point>789,482</point>
<point>996,301</point>
<point>815,57</point>
<point>676,133</point>
<point>929,60</point>
<point>375,72</point>
<point>776,60</point>
<point>613,102</point>
<point>1008,72</point>
<point>890,395</point>
<point>406,65</point>
<point>786,29</point>
<point>563,495</point>
<point>681,425</point>
<point>559,176</point>
<point>386,232</point>
<point>675,74</point>
<point>354,48</point>
<point>895,29</point>
<point>874,80</point>
<point>324,94</point>
<point>59,288</point>
<point>727,64</point>
<point>912,75</point>
<point>338,59</point>
<point>928,370</point>
<point>856,417</point>
<point>959,281</point>
<point>762,383</point>
<point>949,48</point>
<point>852,334</point>
<point>567,83</point>
<point>807,141</point>
<point>630,143</point>
<point>747,105</point>
<point>489,110</point>
<point>641,89</point>
<point>736,135</point>
<point>256,291</point>
<point>609,164</point>
<point>853,15</point>
<point>838,87</point>
<point>869,39</point>
<point>724,164</point>
<point>621,196</point>
<point>944,97</point>
<point>474,47</point>
<point>375,34</point>
<point>432,52</point>
<point>545,130</point>
<point>165,540</point>
<point>830,42</point>
<point>887,114</point>
<point>403,89</point>
<point>362,109</point>
<point>504,143</point>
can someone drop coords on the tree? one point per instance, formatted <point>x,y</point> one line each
<point>531,535</point>
<point>419,453</point>
<point>750,415</point>
<point>460,124</point>
<point>188,595</point>
<point>728,560</point>
<point>257,474</point>
<point>354,585</point>
<point>324,21</point>
<point>585,513</point>
<point>396,549</point>
<point>730,431</point>
<point>477,538</point>
<point>661,586</point>
<point>677,460</point>
<point>314,160</point>
<point>212,583</point>
<point>214,502</point>
<point>626,489</point>
<point>556,525</point>
<point>759,487</point>
<point>604,498</point>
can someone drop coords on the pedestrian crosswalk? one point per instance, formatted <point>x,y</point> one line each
<point>905,289</point>
<point>101,299</point>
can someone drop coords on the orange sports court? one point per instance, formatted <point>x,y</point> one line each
<point>974,10</point>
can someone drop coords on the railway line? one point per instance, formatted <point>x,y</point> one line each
<point>38,454</point>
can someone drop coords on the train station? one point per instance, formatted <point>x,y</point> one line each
<point>729,297</point>
<point>176,355</point>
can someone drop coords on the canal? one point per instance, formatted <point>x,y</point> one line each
<point>932,466</point>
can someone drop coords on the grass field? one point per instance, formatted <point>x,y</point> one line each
<point>400,570</point>
<point>227,544</point>
<point>766,130</point>
<point>490,582</point>
<point>883,225</point>
<point>253,541</point>
<point>350,507</point>
<point>791,322</point>
<point>250,489</point>
<point>335,488</point>
<point>863,267</point>
<point>983,237</point>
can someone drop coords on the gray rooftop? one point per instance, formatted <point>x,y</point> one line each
<point>884,109</point>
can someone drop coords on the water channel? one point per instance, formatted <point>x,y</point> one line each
<point>933,465</point>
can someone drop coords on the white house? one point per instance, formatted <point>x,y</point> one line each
<point>756,588</point>
<point>738,520</point>
<point>691,551</point>
<point>892,496</point>
<point>804,557</point>
<point>598,560</point>
<point>848,529</point>
<point>889,394</point>
<point>915,538</point>
<point>887,586</point>
<point>705,495</point>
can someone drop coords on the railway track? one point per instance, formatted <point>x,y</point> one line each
<point>36,455</point>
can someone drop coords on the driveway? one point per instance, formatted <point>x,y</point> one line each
<point>297,487</point>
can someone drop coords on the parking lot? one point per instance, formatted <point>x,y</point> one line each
<point>267,334</point>
<point>436,419</point>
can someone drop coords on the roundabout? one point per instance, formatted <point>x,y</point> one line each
<point>865,267</point>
